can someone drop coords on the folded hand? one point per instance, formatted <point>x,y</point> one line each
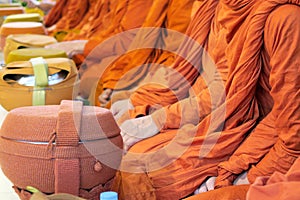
<point>138,129</point>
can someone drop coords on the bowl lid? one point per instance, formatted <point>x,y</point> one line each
<point>39,123</point>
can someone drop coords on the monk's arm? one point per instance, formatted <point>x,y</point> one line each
<point>155,18</point>
<point>282,36</point>
<point>194,108</point>
<point>55,13</point>
<point>75,12</point>
<point>275,142</point>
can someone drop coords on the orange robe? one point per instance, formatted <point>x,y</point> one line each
<point>73,15</point>
<point>124,19</point>
<point>237,192</point>
<point>56,13</point>
<point>276,186</point>
<point>200,133</point>
<point>172,15</point>
<point>79,32</point>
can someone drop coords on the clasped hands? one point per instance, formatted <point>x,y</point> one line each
<point>133,130</point>
<point>209,184</point>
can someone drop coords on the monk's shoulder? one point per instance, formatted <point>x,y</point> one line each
<point>284,15</point>
<point>282,27</point>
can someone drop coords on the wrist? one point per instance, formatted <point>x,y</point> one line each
<point>159,117</point>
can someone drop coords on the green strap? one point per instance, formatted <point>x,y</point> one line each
<point>40,69</point>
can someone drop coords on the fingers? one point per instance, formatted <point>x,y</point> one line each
<point>105,96</point>
<point>210,183</point>
<point>121,107</point>
<point>201,189</point>
<point>241,179</point>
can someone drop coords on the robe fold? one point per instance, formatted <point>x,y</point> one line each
<point>56,13</point>
<point>127,71</point>
<point>102,46</point>
<point>172,15</point>
<point>79,31</point>
<point>274,144</point>
<point>162,13</point>
<point>255,126</point>
<point>123,19</point>
<point>74,13</point>
<point>276,186</point>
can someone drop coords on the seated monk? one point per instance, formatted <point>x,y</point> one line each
<point>72,11</point>
<point>115,16</point>
<point>158,16</point>
<point>174,17</point>
<point>98,9</point>
<point>56,12</point>
<point>247,128</point>
<point>71,35</point>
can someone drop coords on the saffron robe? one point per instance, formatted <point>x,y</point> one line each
<point>170,13</point>
<point>173,16</point>
<point>204,135</point>
<point>94,8</point>
<point>72,16</point>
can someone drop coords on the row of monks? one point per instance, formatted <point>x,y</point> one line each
<point>206,93</point>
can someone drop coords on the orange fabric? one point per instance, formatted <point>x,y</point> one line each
<point>102,20</point>
<point>56,13</point>
<point>95,7</point>
<point>123,19</point>
<point>229,193</point>
<point>74,13</point>
<point>278,186</point>
<point>173,15</point>
<point>275,142</point>
<point>261,81</point>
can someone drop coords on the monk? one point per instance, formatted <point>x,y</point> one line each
<point>249,126</point>
<point>98,9</point>
<point>56,12</point>
<point>71,15</point>
<point>158,16</point>
<point>169,14</point>
<point>112,17</point>
<point>84,21</point>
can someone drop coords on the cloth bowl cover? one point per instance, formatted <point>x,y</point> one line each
<point>66,148</point>
<point>20,28</point>
<point>28,53</point>
<point>26,17</point>
<point>18,85</point>
<point>21,41</point>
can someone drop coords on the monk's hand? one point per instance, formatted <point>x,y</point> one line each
<point>119,108</point>
<point>208,185</point>
<point>241,179</point>
<point>135,130</point>
<point>104,97</point>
